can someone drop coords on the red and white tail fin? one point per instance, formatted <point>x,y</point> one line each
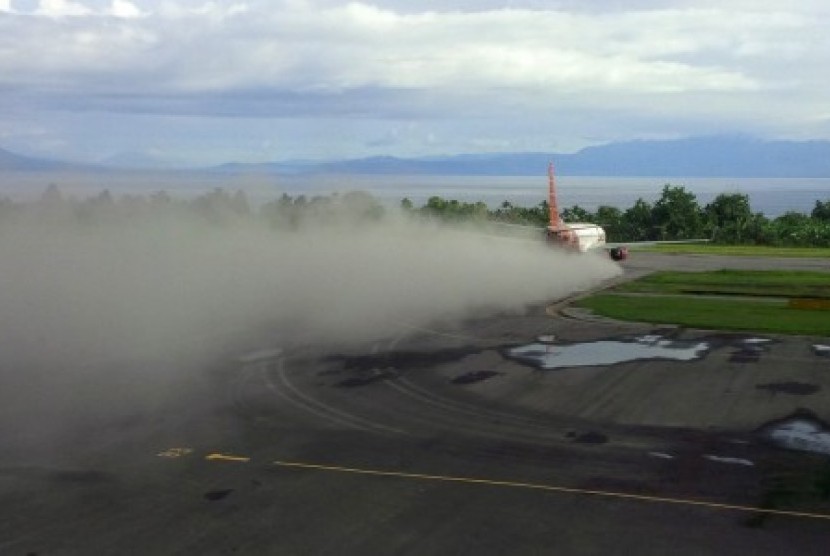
<point>555,220</point>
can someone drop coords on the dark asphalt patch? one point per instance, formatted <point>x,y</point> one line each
<point>749,350</point>
<point>79,476</point>
<point>515,452</point>
<point>215,495</point>
<point>746,355</point>
<point>474,376</point>
<point>613,484</point>
<point>356,381</point>
<point>590,437</point>
<point>790,387</point>
<point>404,359</point>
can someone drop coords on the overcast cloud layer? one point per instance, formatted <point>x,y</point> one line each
<point>208,82</point>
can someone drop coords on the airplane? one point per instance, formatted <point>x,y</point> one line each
<point>577,236</point>
<point>585,236</point>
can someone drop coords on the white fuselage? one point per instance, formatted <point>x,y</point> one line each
<point>588,236</point>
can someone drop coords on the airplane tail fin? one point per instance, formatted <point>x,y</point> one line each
<point>555,220</point>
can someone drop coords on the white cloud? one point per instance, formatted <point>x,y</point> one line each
<point>364,46</point>
<point>61,8</point>
<point>360,45</point>
<point>124,9</point>
<point>722,65</point>
<point>211,11</point>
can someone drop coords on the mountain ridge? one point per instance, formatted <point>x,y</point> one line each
<point>713,156</point>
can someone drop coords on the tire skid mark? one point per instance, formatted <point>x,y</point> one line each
<point>409,388</point>
<point>423,420</point>
<point>481,427</point>
<point>304,406</point>
<point>321,409</point>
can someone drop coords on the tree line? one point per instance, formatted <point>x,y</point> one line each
<point>676,215</point>
<point>216,208</point>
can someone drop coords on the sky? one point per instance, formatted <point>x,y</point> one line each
<point>195,82</point>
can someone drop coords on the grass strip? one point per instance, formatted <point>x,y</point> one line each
<point>775,317</point>
<point>766,283</point>
<point>737,250</point>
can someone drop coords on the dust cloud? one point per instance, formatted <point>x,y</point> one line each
<point>111,305</point>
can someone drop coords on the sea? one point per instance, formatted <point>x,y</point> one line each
<point>770,196</point>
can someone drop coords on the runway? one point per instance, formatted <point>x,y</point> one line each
<point>435,440</point>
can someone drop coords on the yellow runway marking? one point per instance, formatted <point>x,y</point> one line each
<point>224,457</point>
<point>549,488</point>
<point>175,452</point>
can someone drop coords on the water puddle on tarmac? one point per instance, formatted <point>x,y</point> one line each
<point>749,350</point>
<point>801,431</point>
<point>549,356</point>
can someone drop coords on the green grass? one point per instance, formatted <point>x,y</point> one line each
<point>761,283</point>
<point>775,317</point>
<point>737,250</point>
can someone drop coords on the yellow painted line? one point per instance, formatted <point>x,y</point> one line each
<point>175,452</point>
<point>549,488</point>
<point>224,457</point>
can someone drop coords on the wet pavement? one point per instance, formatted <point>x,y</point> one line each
<point>549,356</point>
<point>450,440</point>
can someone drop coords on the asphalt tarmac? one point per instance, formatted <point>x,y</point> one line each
<point>437,441</point>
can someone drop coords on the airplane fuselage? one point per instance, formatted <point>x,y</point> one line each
<point>578,236</point>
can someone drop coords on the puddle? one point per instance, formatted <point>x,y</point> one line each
<point>757,341</point>
<point>608,352</point>
<point>660,455</point>
<point>801,431</point>
<point>215,495</point>
<point>474,376</point>
<point>733,461</point>
<point>794,388</point>
<point>750,350</point>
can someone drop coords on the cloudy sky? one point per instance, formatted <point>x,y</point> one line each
<point>202,82</point>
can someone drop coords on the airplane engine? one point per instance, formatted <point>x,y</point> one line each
<point>618,253</point>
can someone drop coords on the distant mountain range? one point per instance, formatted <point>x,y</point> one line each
<point>693,157</point>
<point>15,162</point>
